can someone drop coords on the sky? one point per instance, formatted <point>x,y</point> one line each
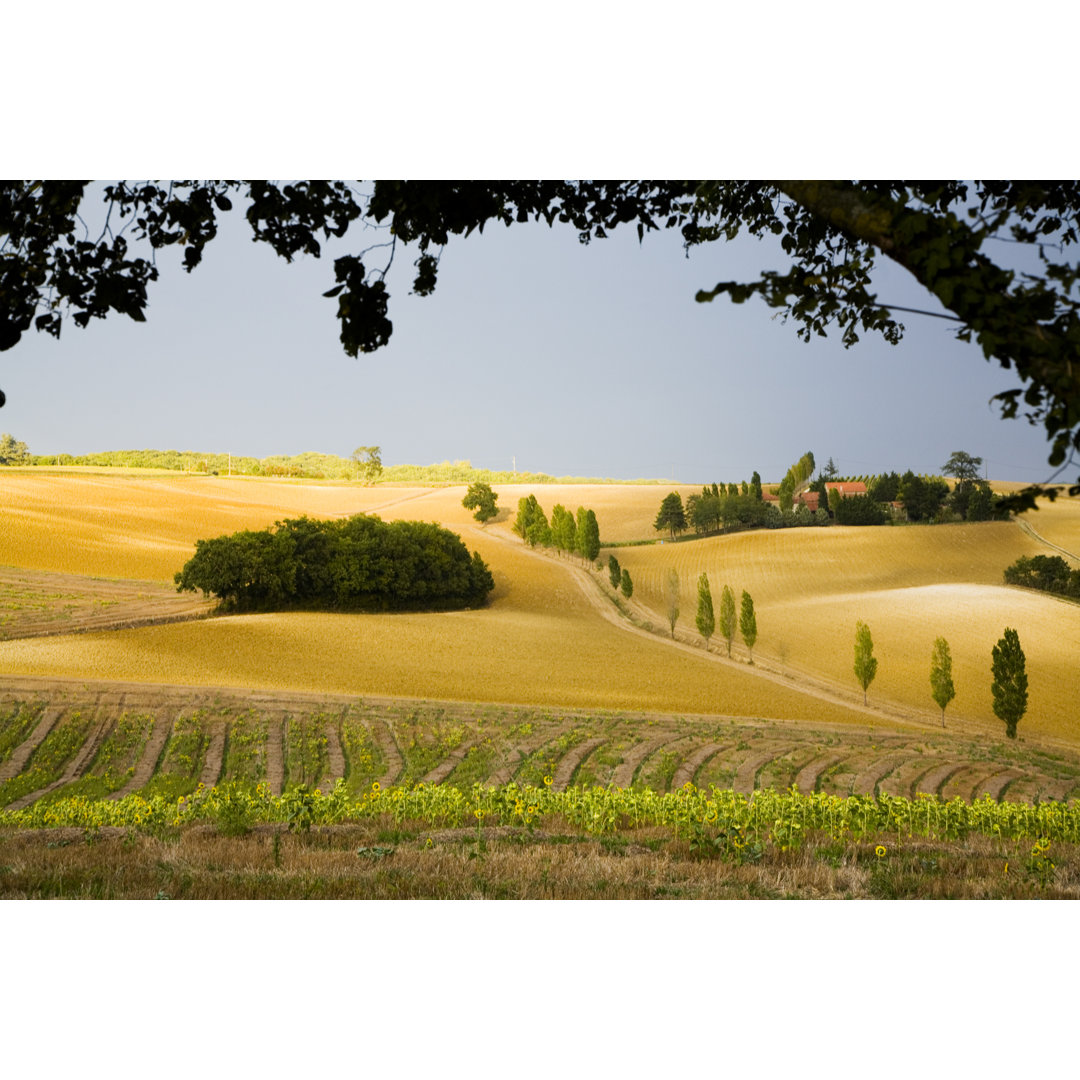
<point>535,352</point>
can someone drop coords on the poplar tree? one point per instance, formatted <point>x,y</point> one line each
<point>941,682</point>
<point>706,620</point>
<point>728,624</point>
<point>748,623</point>
<point>865,663</point>
<point>1010,688</point>
<point>614,571</point>
<point>626,585</point>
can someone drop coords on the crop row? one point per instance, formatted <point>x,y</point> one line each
<point>724,820</point>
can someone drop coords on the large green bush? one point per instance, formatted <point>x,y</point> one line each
<point>361,563</point>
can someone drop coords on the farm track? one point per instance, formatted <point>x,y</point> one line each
<point>698,749</point>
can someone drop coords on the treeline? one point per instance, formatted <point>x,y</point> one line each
<point>573,533</point>
<point>308,466</point>
<point>360,563</point>
<point>728,507</point>
<point>1049,573</point>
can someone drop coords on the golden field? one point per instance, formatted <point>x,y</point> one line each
<point>540,640</point>
<point>910,584</point>
<point>543,640</point>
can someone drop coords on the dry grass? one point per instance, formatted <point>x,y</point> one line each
<point>1058,522</point>
<point>370,862</point>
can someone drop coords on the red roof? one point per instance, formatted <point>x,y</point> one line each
<point>847,487</point>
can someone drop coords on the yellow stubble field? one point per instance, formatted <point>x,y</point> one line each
<point>540,640</point>
<point>910,585</point>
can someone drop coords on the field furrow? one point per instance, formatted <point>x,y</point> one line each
<point>21,754</point>
<point>809,775</point>
<point>746,775</point>
<point>385,739</point>
<point>934,780</point>
<point>335,755</point>
<point>450,762</point>
<point>215,758</point>
<point>275,757</point>
<point>571,761</point>
<point>690,766</point>
<point>164,719</point>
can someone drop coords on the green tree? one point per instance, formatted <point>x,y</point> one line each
<point>563,529</point>
<point>672,515</point>
<point>672,594</point>
<point>369,462</point>
<point>728,621</point>
<point>865,662</point>
<point>482,499</point>
<point>1010,687</point>
<point>706,620</point>
<point>962,466</point>
<point>748,623</point>
<point>755,485</point>
<point>588,534</point>
<point>941,681</point>
<point>12,452</point>
<point>626,585</point>
<point>942,233</point>
<point>531,523</point>
<point>614,571</point>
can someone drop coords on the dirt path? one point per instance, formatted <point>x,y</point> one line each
<point>1026,527</point>
<point>593,591</point>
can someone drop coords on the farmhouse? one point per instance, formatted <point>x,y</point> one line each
<point>844,488</point>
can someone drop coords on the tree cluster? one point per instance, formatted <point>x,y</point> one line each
<point>13,452</point>
<point>578,534</point>
<point>1050,573</point>
<point>481,499</point>
<point>360,563</point>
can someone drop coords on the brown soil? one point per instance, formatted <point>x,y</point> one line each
<point>691,766</point>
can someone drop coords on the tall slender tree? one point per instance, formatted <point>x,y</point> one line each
<point>1010,687</point>
<point>865,662</point>
<point>748,623</point>
<point>626,585</point>
<point>941,681</point>
<point>728,622</point>
<point>614,571</point>
<point>706,620</point>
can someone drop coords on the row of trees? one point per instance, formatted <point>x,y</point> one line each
<point>745,622</point>
<point>1009,688</point>
<point>576,534</point>
<point>360,563</point>
<point>716,509</point>
<point>1050,573</point>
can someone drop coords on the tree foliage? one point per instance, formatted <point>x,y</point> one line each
<point>941,681</point>
<point>614,571</point>
<point>531,523</point>
<point>728,620</point>
<point>369,461</point>
<point>588,534</point>
<point>748,623</point>
<point>360,563</point>
<point>13,452</point>
<point>1010,686</point>
<point>706,620</point>
<point>1050,573</point>
<point>482,499</point>
<point>865,661</point>
<point>626,585</point>
<point>563,529</point>
<point>672,515</point>
<point>833,232</point>
<point>858,510</point>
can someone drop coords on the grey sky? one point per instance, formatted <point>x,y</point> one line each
<point>574,360</point>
